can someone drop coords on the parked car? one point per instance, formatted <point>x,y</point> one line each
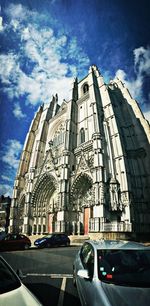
<point>50,240</point>
<point>15,242</point>
<point>112,273</point>
<point>12,290</point>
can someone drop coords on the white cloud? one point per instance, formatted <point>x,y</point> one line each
<point>147,116</point>
<point>10,70</point>
<point>6,190</point>
<point>134,85</point>
<point>11,152</point>
<point>17,12</point>
<point>18,112</point>
<point>6,178</point>
<point>142,60</point>
<point>120,74</point>
<point>142,68</point>
<point>51,59</point>
<point>1,24</point>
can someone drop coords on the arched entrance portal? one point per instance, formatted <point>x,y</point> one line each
<point>45,205</point>
<point>82,199</point>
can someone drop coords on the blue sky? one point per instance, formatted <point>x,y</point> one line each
<point>45,44</point>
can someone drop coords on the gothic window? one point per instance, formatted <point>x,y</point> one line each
<point>85,88</point>
<point>59,136</point>
<point>82,135</point>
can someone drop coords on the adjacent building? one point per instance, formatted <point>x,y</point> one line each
<point>5,203</point>
<point>85,165</point>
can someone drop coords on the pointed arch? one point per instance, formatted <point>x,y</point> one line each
<point>43,191</point>
<point>85,88</point>
<point>82,200</point>
<point>45,204</point>
<point>57,126</point>
<point>81,191</point>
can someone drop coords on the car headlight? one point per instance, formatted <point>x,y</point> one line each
<point>43,240</point>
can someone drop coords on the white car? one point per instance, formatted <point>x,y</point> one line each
<point>12,290</point>
<point>112,273</point>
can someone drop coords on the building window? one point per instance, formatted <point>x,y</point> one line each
<point>82,135</point>
<point>85,88</point>
<point>59,136</point>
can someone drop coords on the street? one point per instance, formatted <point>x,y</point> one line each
<point>48,273</point>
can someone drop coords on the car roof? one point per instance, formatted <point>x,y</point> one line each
<point>15,234</point>
<point>116,244</point>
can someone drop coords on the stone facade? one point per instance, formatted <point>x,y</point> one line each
<point>85,165</point>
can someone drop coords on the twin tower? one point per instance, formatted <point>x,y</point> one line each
<point>85,165</point>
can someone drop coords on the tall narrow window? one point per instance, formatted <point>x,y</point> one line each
<point>85,88</point>
<point>82,135</point>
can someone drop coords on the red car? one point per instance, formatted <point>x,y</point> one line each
<point>15,242</point>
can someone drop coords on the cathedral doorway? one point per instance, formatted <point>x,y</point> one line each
<point>82,201</point>
<point>45,204</point>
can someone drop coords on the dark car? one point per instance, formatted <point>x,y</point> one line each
<point>15,242</point>
<point>54,239</point>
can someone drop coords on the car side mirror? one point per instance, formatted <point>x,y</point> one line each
<point>20,274</point>
<point>83,273</point>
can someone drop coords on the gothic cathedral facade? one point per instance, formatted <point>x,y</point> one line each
<point>85,165</point>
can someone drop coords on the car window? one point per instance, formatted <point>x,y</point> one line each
<point>85,251</point>
<point>8,237</point>
<point>48,236</point>
<point>55,236</point>
<point>14,237</point>
<point>63,236</point>
<point>8,280</point>
<point>21,237</point>
<point>87,258</point>
<point>128,267</point>
<point>11,237</point>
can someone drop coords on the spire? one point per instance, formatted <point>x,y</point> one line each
<point>75,90</point>
<point>55,99</point>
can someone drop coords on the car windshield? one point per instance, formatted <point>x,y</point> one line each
<point>8,280</point>
<point>124,267</point>
<point>48,236</point>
